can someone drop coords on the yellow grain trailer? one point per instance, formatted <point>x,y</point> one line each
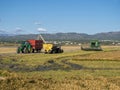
<point>52,48</point>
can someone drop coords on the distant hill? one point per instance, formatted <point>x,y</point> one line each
<point>63,36</point>
<point>107,36</point>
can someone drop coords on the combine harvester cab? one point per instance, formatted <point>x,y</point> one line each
<point>30,46</point>
<point>94,46</point>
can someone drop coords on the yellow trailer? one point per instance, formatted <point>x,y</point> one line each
<point>51,48</point>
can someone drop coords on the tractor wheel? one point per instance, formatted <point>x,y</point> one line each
<point>45,52</point>
<point>22,51</point>
<point>30,50</point>
<point>33,50</point>
<point>62,51</point>
<point>38,51</point>
<point>59,51</point>
<point>53,52</point>
<point>25,50</point>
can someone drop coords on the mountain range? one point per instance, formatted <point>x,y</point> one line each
<point>71,36</point>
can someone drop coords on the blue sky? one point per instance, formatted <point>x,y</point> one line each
<point>82,16</point>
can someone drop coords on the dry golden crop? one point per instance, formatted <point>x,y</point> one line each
<point>71,70</point>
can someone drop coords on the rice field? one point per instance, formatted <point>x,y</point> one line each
<point>72,70</point>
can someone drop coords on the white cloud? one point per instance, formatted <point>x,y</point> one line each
<point>41,30</point>
<point>18,29</point>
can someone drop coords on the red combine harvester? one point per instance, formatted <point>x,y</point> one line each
<point>30,46</point>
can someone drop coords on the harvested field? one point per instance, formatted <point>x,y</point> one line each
<point>72,70</point>
<point>8,49</point>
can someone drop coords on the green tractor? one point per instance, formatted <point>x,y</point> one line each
<point>25,47</point>
<point>30,46</point>
<point>94,46</point>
